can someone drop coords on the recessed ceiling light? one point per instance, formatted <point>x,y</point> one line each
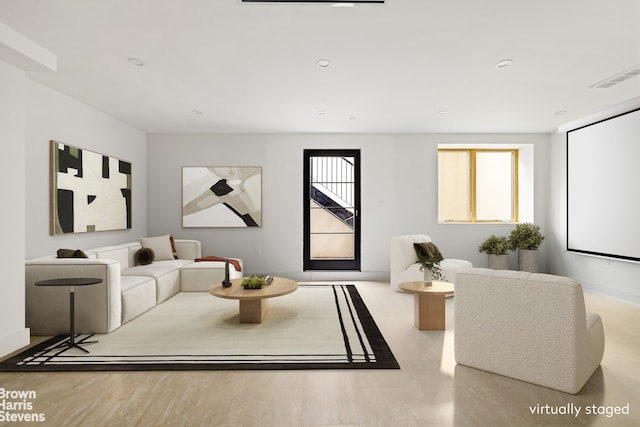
<point>443,112</point>
<point>196,112</point>
<point>323,63</point>
<point>135,61</point>
<point>321,112</point>
<point>504,63</point>
<point>352,118</point>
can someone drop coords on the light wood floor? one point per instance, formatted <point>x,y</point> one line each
<point>429,389</point>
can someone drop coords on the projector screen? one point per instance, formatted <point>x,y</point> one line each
<point>603,188</point>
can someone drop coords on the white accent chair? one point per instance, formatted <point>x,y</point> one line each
<point>403,267</point>
<point>529,326</point>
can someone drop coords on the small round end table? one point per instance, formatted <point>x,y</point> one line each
<point>72,282</point>
<point>429,299</point>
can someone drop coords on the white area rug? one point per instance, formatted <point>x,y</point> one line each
<point>316,327</point>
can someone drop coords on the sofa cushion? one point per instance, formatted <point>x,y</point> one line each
<point>451,267</point>
<point>428,250</point>
<point>161,246</point>
<point>118,253</point>
<point>165,273</point>
<point>150,270</point>
<point>138,296</point>
<point>175,263</point>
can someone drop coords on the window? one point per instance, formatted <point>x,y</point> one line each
<point>477,185</point>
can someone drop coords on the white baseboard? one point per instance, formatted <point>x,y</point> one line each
<point>14,341</point>
<point>628,297</point>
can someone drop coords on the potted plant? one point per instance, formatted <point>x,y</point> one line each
<point>253,282</point>
<point>526,238</point>
<point>429,258</point>
<point>496,248</point>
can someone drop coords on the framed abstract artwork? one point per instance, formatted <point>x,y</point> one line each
<point>222,196</point>
<point>89,191</point>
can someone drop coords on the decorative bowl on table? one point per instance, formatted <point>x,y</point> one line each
<point>255,281</point>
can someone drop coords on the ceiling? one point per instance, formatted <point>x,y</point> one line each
<point>405,66</point>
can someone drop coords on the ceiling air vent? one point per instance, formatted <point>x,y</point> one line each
<point>617,78</point>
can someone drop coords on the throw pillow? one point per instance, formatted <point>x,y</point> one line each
<point>428,250</point>
<point>161,246</point>
<point>71,253</point>
<point>143,256</point>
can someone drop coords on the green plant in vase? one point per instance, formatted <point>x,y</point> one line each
<point>253,282</point>
<point>526,238</point>
<point>429,258</point>
<point>495,245</point>
<point>496,248</point>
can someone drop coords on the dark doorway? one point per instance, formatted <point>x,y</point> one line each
<point>332,210</point>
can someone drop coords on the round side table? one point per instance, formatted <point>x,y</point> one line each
<point>72,282</point>
<point>429,299</point>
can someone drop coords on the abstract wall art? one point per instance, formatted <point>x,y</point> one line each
<point>222,196</point>
<point>89,191</point>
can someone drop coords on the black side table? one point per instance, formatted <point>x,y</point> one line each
<point>72,282</point>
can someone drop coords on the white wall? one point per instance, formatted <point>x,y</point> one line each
<point>399,195</point>
<point>54,116</point>
<point>603,275</point>
<point>13,333</point>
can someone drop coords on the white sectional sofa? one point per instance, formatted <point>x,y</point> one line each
<point>126,291</point>
<point>528,326</point>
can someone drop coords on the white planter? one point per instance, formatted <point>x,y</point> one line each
<point>499,262</point>
<point>528,260</point>
<point>428,275</point>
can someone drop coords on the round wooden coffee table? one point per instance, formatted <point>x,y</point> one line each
<point>428,306</point>
<point>253,302</point>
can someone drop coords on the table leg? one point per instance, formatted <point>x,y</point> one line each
<point>429,311</point>
<point>72,318</point>
<point>253,311</point>
<point>71,342</point>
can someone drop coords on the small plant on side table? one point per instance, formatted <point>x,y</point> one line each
<point>253,282</point>
<point>429,258</point>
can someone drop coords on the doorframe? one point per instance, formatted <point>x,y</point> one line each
<point>330,264</point>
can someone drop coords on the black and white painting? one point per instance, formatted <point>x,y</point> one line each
<point>222,196</point>
<point>89,191</point>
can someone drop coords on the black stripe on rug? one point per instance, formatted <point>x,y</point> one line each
<point>365,348</point>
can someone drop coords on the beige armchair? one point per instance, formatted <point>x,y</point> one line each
<point>528,326</point>
<point>403,267</point>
